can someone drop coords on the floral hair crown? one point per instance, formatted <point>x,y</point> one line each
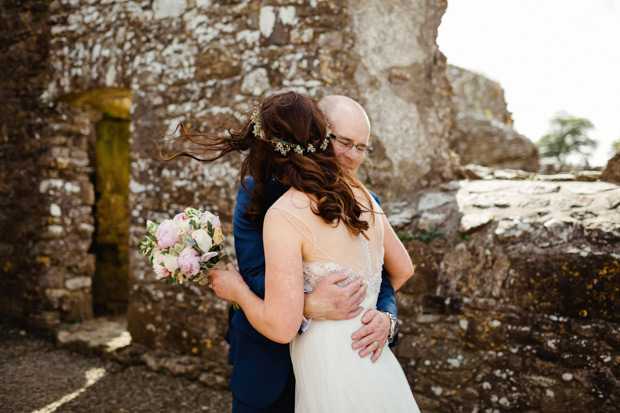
<point>283,146</point>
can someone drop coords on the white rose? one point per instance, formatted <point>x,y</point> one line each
<point>170,262</point>
<point>207,216</point>
<point>159,269</point>
<point>203,240</point>
<point>183,226</point>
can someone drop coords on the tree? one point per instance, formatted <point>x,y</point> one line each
<point>568,135</point>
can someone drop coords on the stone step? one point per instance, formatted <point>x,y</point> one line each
<point>101,336</point>
<point>109,338</point>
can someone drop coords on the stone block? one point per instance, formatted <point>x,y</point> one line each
<point>255,83</point>
<point>612,170</point>
<point>45,319</point>
<point>54,278</point>
<point>87,193</point>
<point>6,249</point>
<point>49,247</point>
<point>86,266</point>
<point>77,283</point>
<point>77,306</point>
<point>54,295</point>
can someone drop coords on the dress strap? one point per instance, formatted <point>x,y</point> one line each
<point>313,240</point>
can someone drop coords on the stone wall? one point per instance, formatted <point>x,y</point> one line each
<point>157,63</point>
<point>18,97</point>
<point>46,194</point>
<point>514,305</point>
<point>400,78</point>
<point>483,132</point>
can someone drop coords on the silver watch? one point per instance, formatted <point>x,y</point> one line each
<point>392,325</point>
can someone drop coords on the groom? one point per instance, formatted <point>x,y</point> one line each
<point>262,378</point>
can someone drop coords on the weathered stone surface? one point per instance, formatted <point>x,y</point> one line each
<point>518,314</point>
<point>184,318</point>
<point>97,336</point>
<point>23,36</point>
<point>612,171</point>
<point>109,338</point>
<point>473,171</point>
<point>515,281</point>
<point>157,64</point>
<point>483,131</point>
<point>487,142</point>
<point>474,93</point>
<point>399,75</point>
<point>78,282</point>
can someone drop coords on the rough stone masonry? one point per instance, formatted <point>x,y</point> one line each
<point>515,304</point>
<point>68,65</point>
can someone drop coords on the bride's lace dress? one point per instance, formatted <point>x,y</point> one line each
<point>330,376</point>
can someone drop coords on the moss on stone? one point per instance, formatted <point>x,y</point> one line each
<point>112,102</point>
<point>111,281</point>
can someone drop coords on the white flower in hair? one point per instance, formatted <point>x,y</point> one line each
<point>283,146</point>
<point>324,144</point>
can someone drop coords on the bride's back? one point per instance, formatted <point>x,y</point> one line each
<point>328,247</point>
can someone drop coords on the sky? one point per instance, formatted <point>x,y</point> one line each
<point>550,56</point>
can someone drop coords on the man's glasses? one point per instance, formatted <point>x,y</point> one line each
<point>346,145</point>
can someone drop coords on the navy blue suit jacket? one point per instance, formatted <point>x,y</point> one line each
<point>261,366</point>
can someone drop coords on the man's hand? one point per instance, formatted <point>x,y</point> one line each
<point>332,302</point>
<point>372,337</point>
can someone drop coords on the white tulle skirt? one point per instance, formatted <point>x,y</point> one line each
<point>331,377</point>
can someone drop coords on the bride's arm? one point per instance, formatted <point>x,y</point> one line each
<point>396,260</point>
<point>279,316</point>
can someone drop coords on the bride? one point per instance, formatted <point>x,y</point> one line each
<point>326,222</point>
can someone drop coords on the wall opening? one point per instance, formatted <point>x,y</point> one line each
<point>111,279</point>
<point>110,156</point>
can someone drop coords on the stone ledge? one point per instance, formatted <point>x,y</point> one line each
<point>110,339</point>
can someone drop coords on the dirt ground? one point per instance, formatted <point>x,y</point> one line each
<point>37,376</point>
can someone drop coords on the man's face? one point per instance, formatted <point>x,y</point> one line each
<point>350,130</point>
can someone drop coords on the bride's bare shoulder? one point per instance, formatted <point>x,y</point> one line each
<point>293,199</point>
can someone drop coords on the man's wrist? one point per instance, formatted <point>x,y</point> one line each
<point>393,321</point>
<point>308,305</point>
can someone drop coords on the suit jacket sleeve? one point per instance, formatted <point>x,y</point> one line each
<point>249,244</point>
<point>386,300</point>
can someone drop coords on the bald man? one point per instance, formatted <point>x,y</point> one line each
<point>262,378</point>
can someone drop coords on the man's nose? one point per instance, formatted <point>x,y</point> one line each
<point>352,152</point>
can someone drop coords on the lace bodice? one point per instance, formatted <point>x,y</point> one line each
<point>314,272</point>
<point>333,248</point>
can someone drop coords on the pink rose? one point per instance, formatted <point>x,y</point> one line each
<point>189,262</point>
<point>167,234</point>
<point>180,217</point>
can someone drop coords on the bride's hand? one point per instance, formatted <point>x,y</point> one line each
<point>372,337</point>
<point>226,283</point>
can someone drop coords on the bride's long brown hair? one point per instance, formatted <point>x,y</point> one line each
<point>293,118</point>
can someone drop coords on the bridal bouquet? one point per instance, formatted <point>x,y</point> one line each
<point>185,247</point>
